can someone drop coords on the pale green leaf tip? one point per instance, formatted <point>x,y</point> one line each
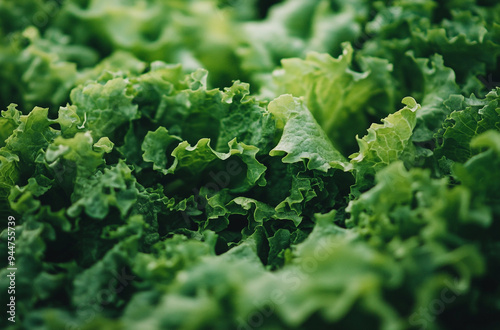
<point>104,144</point>
<point>411,103</point>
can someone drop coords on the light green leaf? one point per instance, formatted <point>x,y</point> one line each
<point>302,139</point>
<point>155,147</point>
<point>385,143</point>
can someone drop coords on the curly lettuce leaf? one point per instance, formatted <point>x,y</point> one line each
<point>479,173</point>
<point>437,84</point>
<point>104,108</point>
<point>385,143</point>
<point>302,136</point>
<point>155,146</point>
<point>341,99</point>
<point>470,117</point>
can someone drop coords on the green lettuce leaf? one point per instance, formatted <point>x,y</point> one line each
<point>470,117</point>
<point>341,99</point>
<point>384,144</point>
<point>302,137</point>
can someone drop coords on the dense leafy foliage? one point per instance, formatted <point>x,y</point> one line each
<point>154,189</point>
